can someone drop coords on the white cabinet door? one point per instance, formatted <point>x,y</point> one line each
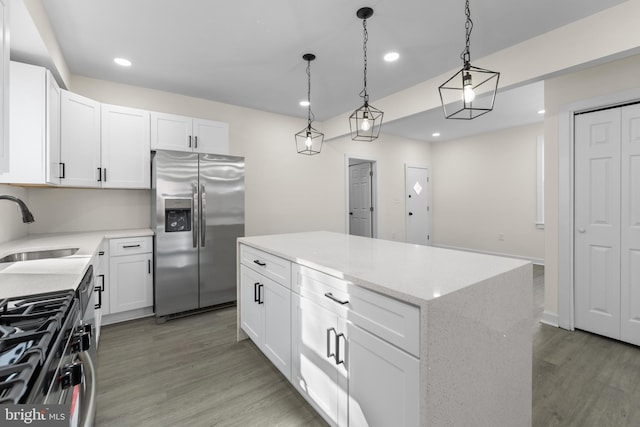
<point>265,316</point>
<point>131,281</point>
<point>277,325</point>
<point>34,126</point>
<point>250,306</point>
<point>316,373</point>
<point>4,86</point>
<point>171,132</point>
<point>79,140</point>
<point>126,155</point>
<point>384,382</point>
<point>210,136</point>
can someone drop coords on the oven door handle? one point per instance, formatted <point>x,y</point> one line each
<point>88,409</point>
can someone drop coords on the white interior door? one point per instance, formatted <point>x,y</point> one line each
<point>360,199</point>
<point>417,203</point>
<point>597,222</point>
<point>630,232</point>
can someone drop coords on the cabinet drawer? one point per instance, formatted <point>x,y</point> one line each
<point>271,266</point>
<point>394,321</point>
<point>130,246</point>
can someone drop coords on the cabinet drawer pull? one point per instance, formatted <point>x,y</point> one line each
<point>260,263</point>
<point>130,246</point>
<point>331,297</point>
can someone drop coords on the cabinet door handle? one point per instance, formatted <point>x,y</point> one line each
<point>189,141</point>
<point>260,263</point>
<point>99,174</point>
<point>61,170</point>
<point>149,262</point>
<point>255,292</point>
<point>331,297</point>
<point>131,246</point>
<point>337,356</point>
<point>260,293</point>
<point>104,171</point>
<point>329,353</point>
<point>195,138</point>
<point>99,291</point>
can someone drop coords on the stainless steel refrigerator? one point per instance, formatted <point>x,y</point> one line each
<point>197,215</point>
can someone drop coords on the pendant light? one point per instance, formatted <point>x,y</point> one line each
<point>459,94</point>
<point>308,140</point>
<point>365,122</point>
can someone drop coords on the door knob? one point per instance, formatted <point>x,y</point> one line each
<point>581,230</point>
<point>410,213</point>
<point>350,213</point>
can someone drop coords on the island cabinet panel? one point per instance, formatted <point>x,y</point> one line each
<point>390,334</point>
<point>265,308</point>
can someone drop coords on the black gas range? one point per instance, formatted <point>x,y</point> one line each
<point>43,351</point>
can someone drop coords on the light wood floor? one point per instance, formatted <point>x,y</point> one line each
<point>191,372</point>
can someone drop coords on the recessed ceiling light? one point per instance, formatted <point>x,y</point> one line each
<point>122,61</point>
<point>435,134</point>
<point>541,111</point>
<point>304,103</point>
<point>391,56</point>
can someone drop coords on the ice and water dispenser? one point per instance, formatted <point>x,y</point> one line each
<point>177,215</point>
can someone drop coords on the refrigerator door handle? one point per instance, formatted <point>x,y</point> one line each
<point>203,215</point>
<point>194,216</point>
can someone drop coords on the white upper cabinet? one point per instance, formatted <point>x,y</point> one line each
<point>125,148</point>
<point>80,141</point>
<point>4,85</point>
<point>181,133</point>
<point>34,126</point>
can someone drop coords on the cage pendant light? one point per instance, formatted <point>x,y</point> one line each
<point>309,140</point>
<point>471,92</point>
<point>365,122</point>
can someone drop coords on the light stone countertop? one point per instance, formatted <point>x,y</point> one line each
<point>413,273</point>
<point>53,274</point>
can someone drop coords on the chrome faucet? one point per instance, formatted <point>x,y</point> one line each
<point>27,217</point>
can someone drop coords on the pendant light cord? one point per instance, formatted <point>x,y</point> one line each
<point>310,115</point>
<point>363,92</point>
<point>468,26</point>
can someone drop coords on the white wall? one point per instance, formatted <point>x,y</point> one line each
<point>484,186</point>
<point>11,226</point>
<point>597,81</point>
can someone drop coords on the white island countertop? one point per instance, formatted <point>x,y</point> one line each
<point>53,274</point>
<point>409,272</point>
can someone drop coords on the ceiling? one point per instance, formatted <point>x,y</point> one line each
<point>249,53</point>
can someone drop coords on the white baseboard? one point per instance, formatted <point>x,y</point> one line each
<point>109,319</point>
<point>537,261</point>
<point>549,318</point>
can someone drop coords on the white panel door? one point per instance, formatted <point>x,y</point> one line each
<point>210,137</point>
<point>131,281</point>
<point>597,222</point>
<point>630,232</point>
<point>171,132</point>
<point>79,140</point>
<point>372,363</point>
<point>277,326</point>
<point>126,153</point>
<point>315,373</point>
<point>417,199</point>
<point>360,200</point>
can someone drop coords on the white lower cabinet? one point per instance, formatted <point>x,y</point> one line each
<point>127,279</point>
<point>265,313</point>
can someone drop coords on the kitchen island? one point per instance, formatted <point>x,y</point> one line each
<point>375,332</point>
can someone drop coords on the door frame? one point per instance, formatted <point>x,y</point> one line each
<point>565,318</point>
<point>406,209</point>
<point>348,160</point>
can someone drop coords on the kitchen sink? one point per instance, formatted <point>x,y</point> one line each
<point>32,255</point>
